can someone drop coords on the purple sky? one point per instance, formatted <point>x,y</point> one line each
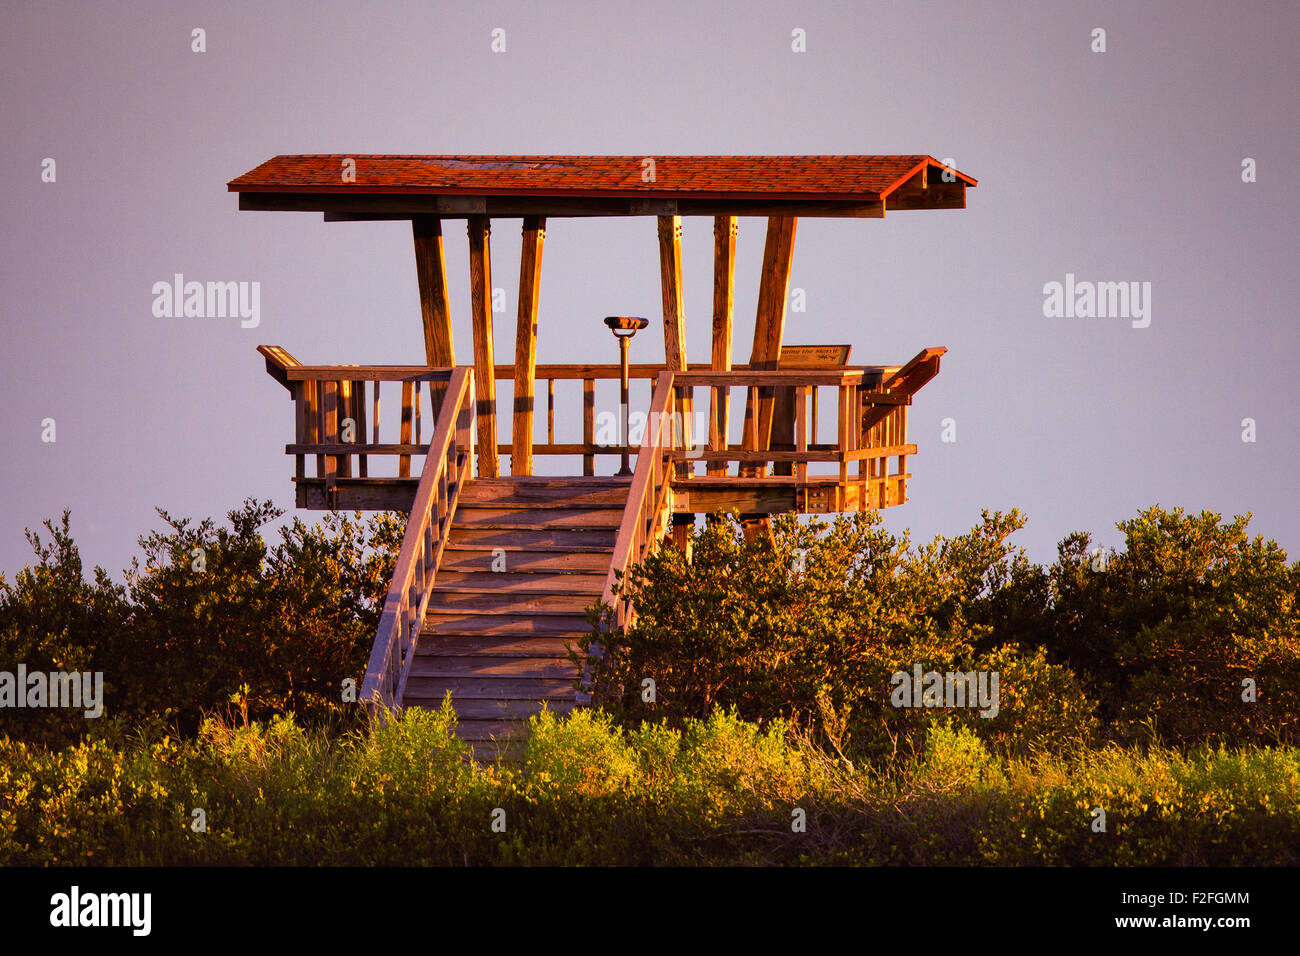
<point>1115,166</point>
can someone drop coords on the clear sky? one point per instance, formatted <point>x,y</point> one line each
<point>1115,166</point>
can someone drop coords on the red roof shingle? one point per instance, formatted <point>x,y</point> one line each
<point>832,178</point>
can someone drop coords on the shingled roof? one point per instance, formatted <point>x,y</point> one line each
<point>389,186</point>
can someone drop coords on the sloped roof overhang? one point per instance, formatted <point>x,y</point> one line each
<point>347,187</point>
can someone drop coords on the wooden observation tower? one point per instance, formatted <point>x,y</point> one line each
<point>495,571</point>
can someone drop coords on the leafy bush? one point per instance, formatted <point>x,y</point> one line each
<point>210,615</point>
<point>1166,632</point>
<point>810,624</point>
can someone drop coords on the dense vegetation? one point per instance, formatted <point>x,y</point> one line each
<point>770,735</point>
<point>212,614</point>
<point>587,792</point>
<point>1151,643</point>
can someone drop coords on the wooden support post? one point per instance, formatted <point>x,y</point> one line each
<point>769,327</point>
<point>683,526</point>
<point>530,275</point>
<point>670,276</point>
<point>435,311</point>
<point>480,283</point>
<point>724,307</point>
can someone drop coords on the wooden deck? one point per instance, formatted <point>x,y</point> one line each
<point>495,574</point>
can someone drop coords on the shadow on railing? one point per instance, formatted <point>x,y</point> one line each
<point>446,469</point>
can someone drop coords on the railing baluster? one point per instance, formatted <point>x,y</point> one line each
<point>404,462</point>
<point>801,434</point>
<point>359,406</point>
<point>344,466</point>
<point>419,401</point>
<point>588,424</point>
<point>550,411</point>
<point>329,412</point>
<point>300,432</point>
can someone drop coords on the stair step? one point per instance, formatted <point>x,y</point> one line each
<point>521,583</point>
<point>499,645</point>
<point>490,688</point>
<point>457,623</point>
<point>485,730</point>
<point>504,709</point>
<point>470,515</point>
<point>504,494</point>
<point>490,666</point>
<point>482,560</point>
<point>508,602</point>
<point>523,539</point>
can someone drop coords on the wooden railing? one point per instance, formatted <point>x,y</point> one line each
<point>649,499</point>
<point>337,422</point>
<point>589,448</point>
<point>336,407</point>
<point>645,515</point>
<point>446,468</point>
<point>870,429</point>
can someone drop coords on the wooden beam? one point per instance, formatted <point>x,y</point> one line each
<point>431,271</point>
<point>530,276</point>
<point>371,206</point>
<point>485,386</point>
<point>724,307</point>
<point>769,325</point>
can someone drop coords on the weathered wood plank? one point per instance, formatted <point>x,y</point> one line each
<point>497,644</point>
<point>479,516</point>
<point>487,665</point>
<point>469,710</point>
<point>541,540</point>
<point>519,582</point>
<point>485,559</point>
<point>508,602</point>
<point>523,687</point>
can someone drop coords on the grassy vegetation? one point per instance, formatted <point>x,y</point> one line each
<point>717,791</point>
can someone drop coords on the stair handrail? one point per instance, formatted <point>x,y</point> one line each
<point>447,465</point>
<point>648,499</point>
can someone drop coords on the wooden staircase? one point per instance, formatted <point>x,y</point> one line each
<point>523,559</point>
